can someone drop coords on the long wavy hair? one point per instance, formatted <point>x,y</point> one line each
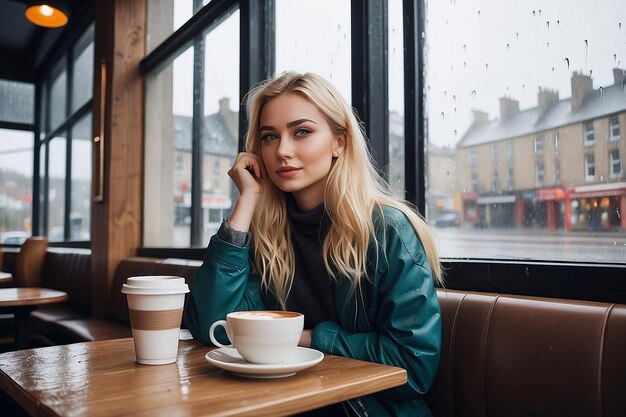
<point>353,190</point>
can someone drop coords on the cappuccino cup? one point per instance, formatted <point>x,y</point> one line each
<point>155,305</point>
<point>262,337</point>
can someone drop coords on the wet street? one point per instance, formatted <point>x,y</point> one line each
<point>542,245</point>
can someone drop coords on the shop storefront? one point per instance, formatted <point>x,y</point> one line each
<point>596,207</point>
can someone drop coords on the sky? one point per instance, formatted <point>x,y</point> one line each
<point>477,52</point>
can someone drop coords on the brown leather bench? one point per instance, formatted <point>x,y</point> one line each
<point>85,328</point>
<point>527,356</point>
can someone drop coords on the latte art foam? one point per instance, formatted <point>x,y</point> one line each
<point>265,315</point>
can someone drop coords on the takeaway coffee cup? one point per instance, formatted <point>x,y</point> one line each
<point>155,304</point>
<point>262,337</point>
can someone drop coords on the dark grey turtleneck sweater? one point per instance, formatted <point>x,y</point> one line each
<point>313,289</point>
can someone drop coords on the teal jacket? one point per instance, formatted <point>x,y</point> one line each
<point>394,319</point>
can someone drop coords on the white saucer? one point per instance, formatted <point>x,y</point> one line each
<point>230,360</point>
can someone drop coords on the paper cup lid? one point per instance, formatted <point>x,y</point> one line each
<point>155,285</point>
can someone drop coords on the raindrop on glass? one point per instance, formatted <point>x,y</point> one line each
<point>517,35</point>
<point>464,48</point>
<point>473,93</point>
<point>443,116</point>
<point>533,13</point>
<point>547,24</point>
<point>455,110</point>
<point>601,93</point>
<point>539,12</point>
<point>547,44</point>
<point>464,64</point>
<point>601,177</point>
<point>454,97</point>
<point>614,57</point>
<point>454,132</point>
<point>487,66</point>
<point>508,46</point>
<point>619,26</point>
<point>452,68</point>
<point>479,14</point>
<point>567,63</point>
<point>552,69</point>
<point>558,23</point>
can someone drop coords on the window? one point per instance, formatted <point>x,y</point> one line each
<point>540,174</point>
<point>494,154</point>
<point>614,128</point>
<point>16,160</point>
<point>556,141</point>
<point>557,171</point>
<point>589,134</point>
<point>192,134</point>
<point>538,145</point>
<point>396,103</point>
<point>307,30</point>
<point>590,168</point>
<point>495,181</point>
<point>615,164</point>
<point>65,145</point>
<point>479,90</point>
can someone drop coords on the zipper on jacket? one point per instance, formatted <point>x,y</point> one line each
<point>358,400</point>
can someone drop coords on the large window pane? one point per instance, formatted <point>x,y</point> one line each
<point>396,98</point>
<point>58,94</point>
<point>16,178</point>
<point>314,36</point>
<point>166,16</point>
<point>81,180</point>
<point>172,102</point>
<point>56,188</point>
<point>83,70</point>
<point>17,102</point>
<point>522,97</point>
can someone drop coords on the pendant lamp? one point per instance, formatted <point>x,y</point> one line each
<point>48,13</point>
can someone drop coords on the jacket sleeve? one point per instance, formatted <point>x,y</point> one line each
<point>222,284</point>
<point>405,330</point>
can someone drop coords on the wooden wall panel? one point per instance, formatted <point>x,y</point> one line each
<point>117,220</point>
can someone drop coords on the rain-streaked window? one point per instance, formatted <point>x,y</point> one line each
<point>192,109</point>
<point>529,100</point>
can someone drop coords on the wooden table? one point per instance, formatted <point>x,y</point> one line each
<point>102,379</point>
<point>21,301</point>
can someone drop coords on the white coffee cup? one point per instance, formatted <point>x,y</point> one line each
<point>262,336</point>
<point>155,305</point>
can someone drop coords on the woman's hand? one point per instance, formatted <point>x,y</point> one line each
<point>305,338</point>
<point>246,173</point>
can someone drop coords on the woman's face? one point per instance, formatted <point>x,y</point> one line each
<point>297,147</point>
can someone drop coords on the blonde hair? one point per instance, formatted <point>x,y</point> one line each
<point>347,196</point>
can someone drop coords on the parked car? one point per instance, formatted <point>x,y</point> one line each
<point>448,220</point>
<point>13,238</point>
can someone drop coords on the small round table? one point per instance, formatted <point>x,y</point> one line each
<point>21,301</point>
<point>5,277</point>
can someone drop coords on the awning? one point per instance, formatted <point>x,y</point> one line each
<point>545,194</point>
<point>599,190</point>
<point>497,199</point>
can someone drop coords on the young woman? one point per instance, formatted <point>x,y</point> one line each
<point>315,230</point>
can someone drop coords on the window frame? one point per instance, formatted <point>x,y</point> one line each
<point>613,137</point>
<point>589,135</point>
<point>613,162</point>
<point>580,280</point>
<point>64,52</point>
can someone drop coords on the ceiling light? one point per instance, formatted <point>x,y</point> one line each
<point>47,13</point>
